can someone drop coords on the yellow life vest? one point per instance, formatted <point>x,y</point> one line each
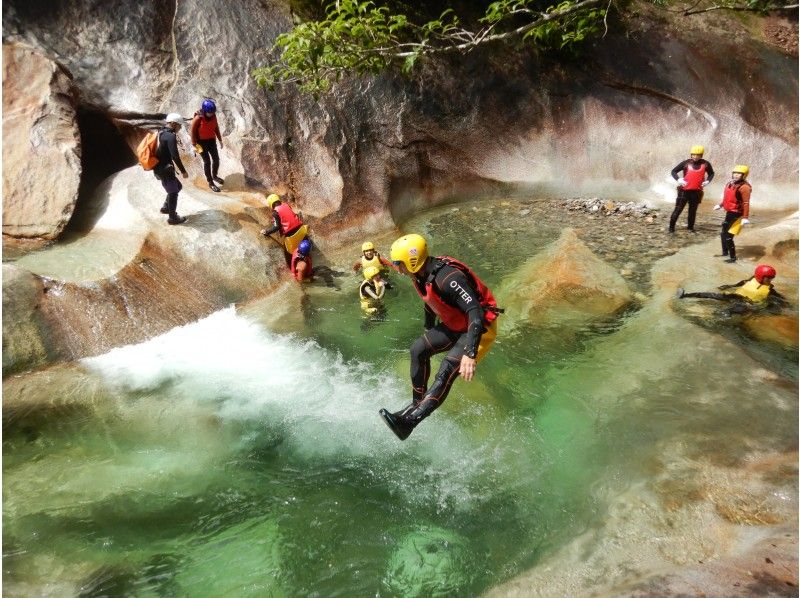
<point>368,304</point>
<point>375,261</point>
<point>291,243</point>
<point>754,291</point>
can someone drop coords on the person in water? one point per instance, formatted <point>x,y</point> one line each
<point>692,176</point>
<point>370,257</point>
<point>467,314</point>
<point>371,290</point>
<point>300,264</point>
<point>205,133</point>
<point>287,223</point>
<point>736,203</point>
<point>755,290</point>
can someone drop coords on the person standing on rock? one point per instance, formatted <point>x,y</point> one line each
<point>168,159</point>
<point>692,176</point>
<point>467,314</point>
<point>736,203</point>
<point>205,133</point>
<point>287,223</point>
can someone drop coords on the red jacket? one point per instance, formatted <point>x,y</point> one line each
<point>736,198</point>
<point>450,316</point>
<point>204,128</point>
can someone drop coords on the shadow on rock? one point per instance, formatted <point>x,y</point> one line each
<point>209,221</point>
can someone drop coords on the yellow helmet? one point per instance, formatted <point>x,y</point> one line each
<point>367,246</point>
<point>371,271</point>
<point>272,199</point>
<point>411,250</point>
<point>742,169</point>
<point>697,149</point>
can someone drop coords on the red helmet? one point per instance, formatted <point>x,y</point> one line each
<point>764,271</point>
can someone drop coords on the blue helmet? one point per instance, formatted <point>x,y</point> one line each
<point>305,247</point>
<point>208,106</point>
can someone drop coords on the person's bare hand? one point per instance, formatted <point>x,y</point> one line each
<point>467,367</point>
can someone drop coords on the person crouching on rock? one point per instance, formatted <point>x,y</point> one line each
<point>168,159</point>
<point>755,290</point>
<point>287,223</point>
<point>736,203</point>
<point>467,314</point>
<point>301,266</point>
<point>371,290</point>
<point>205,133</point>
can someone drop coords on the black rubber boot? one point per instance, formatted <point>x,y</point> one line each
<point>403,422</point>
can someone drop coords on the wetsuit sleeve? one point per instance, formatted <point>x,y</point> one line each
<point>276,224</point>
<point>733,286</point>
<point>216,131</point>
<point>387,263</point>
<point>193,129</point>
<point>776,298</point>
<point>709,171</point>
<point>456,289</point>
<point>368,290</point>
<point>430,318</point>
<point>744,191</point>
<point>172,146</point>
<point>677,172</point>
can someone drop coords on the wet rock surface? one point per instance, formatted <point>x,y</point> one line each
<point>566,282</point>
<point>41,144</point>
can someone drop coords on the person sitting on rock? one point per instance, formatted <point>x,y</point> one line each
<point>300,265</point>
<point>205,132</point>
<point>168,159</point>
<point>692,175</point>
<point>287,223</point>
<point>736,203</point>
<point>755,290</point>
<point>371,290</point>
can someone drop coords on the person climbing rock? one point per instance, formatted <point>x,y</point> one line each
<point>300,265</point>
<point>758,290</point>
<point>692,176</point>
<point>370,257</point>
<point>371,290</point>
<point>287,223</point>
<point>467,314</point>
<point>168,159</point>
<point>205,133</point>
<point>736,203</point>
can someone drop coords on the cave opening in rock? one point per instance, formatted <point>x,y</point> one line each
<point>104,151</point>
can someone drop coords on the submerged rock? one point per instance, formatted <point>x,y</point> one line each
<point>23,344</point>
<point>429,563</point>
<point>566,283</point>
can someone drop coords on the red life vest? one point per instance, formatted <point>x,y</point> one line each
<point>694,176</point>
<point>732,199</point>
<point>295,259</point>
<point>207,127</point>
<point>450,316</point>
<point>289,220</point>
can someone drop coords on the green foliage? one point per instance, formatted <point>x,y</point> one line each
<point>362,37</point>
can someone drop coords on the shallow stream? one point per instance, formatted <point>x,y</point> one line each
<point>232,457</point>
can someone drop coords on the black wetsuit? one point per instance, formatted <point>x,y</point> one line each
<point>774,299</point>
<point>692,197</point>
<point>456,289</point>
<point>167,154</point>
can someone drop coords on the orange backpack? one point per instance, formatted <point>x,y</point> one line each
<point>146,151</point>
